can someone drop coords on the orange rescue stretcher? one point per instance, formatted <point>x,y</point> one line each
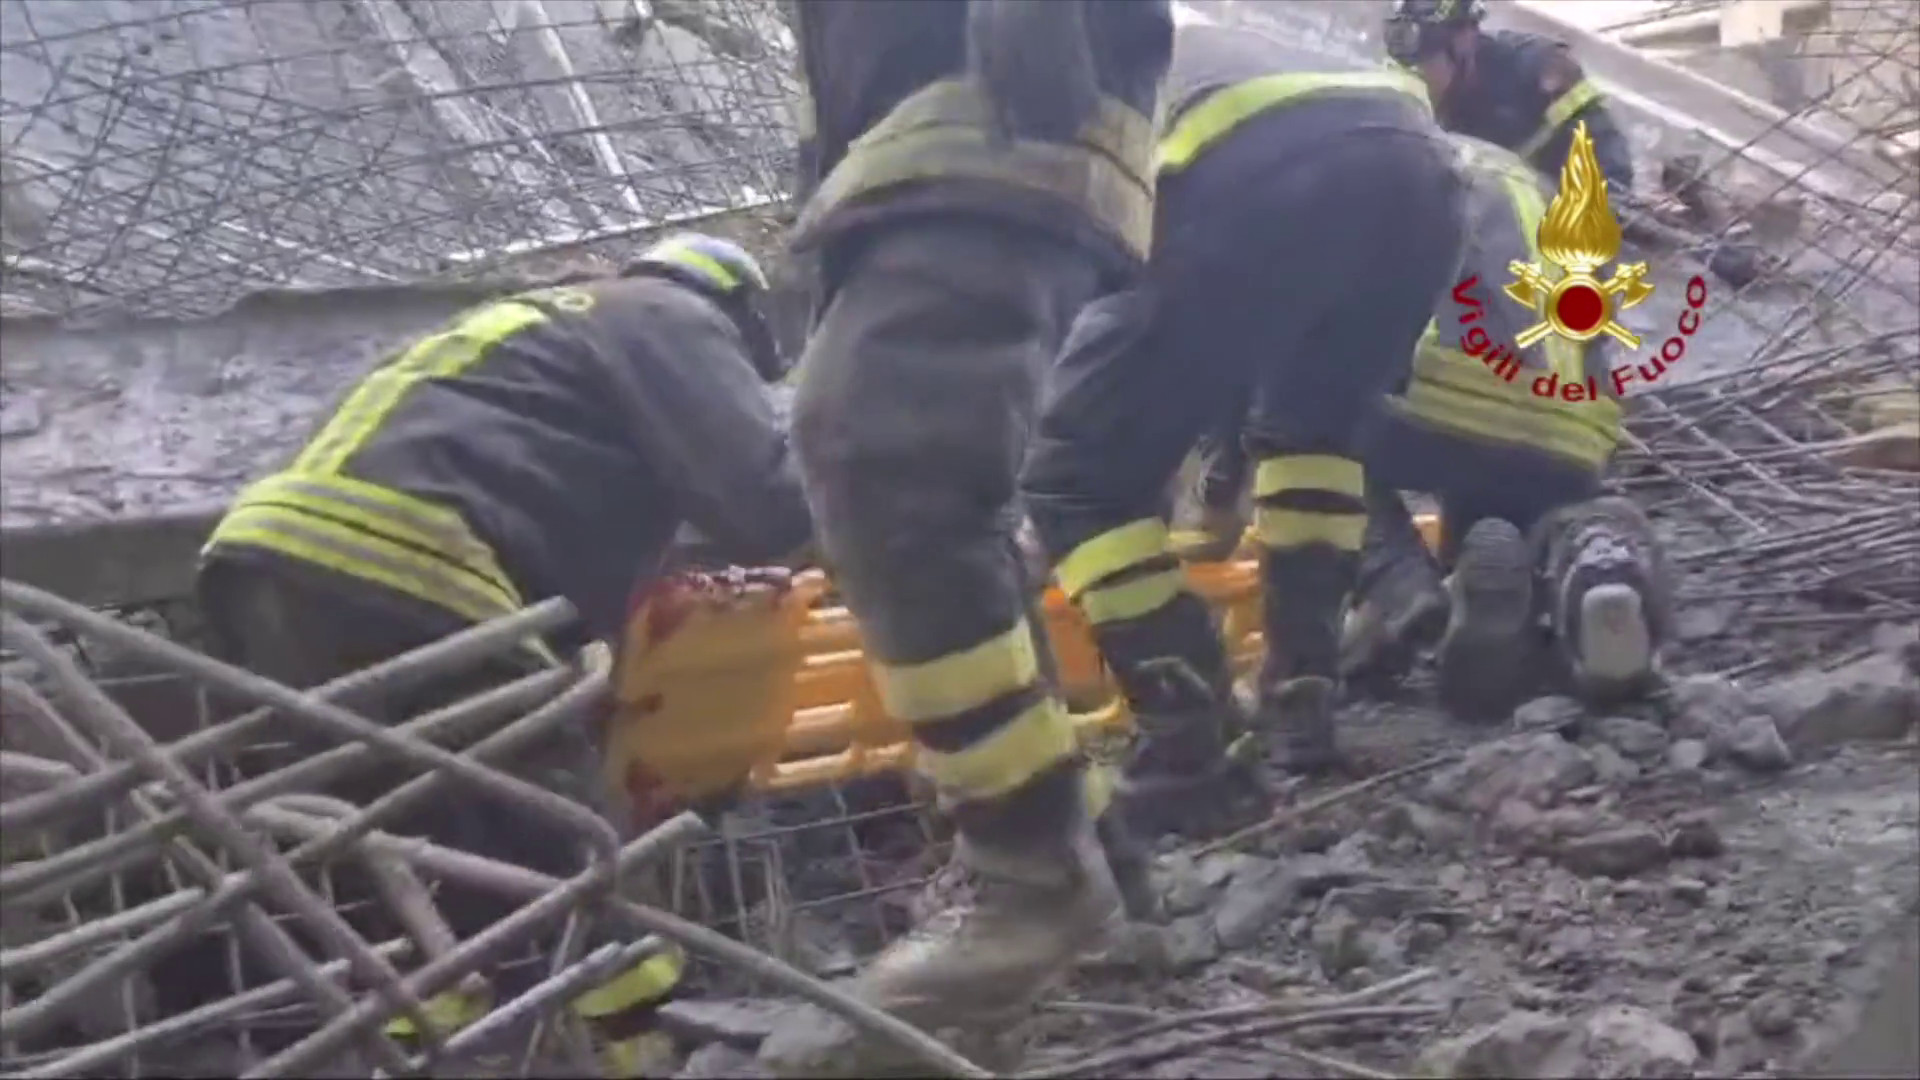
<point>769,688</point>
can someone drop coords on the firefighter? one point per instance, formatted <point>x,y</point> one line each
<point>547,444</point>
<point>1307,219</point>
<point>1518,476</point>
<point>1520,91</point>
<point>979,171</point>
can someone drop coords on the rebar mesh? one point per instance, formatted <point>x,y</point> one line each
<point>168,156</point>
<point>109,858</point>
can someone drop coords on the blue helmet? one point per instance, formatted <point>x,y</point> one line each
<point>727,273</point>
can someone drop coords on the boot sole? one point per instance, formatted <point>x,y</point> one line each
<point>1616,647</point>
<point>1484,662</point>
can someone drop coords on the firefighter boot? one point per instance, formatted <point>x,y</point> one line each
<point>1038,893</point>
<point>1608,596</point>
<point>1486,657</point>
<point>1399,608</point>
<point>1305,590</point>
<point>1187,771</point>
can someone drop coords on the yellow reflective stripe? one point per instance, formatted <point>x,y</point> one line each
<point>1578,96</point>
<point>446,1013</point>
<point>1449,369</point>
<point>699,262</point>
<point>1109,553</point>
<point>1281,528</point>
<point>1130,599</point>
<point>394,514</point>
<point>945,130</point>
<point>1453,370</point>
<point>357,554</point>
<point>1471,416</point>
<point>644,983</point>
<point>1014,754</point>
<point>950,685</point>
<point>1229,107</point>
<point>441,356</point>
<point>1315,472</point>
<point>1563,356</point>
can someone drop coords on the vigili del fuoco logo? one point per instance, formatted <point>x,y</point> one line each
<point>1578,236</point>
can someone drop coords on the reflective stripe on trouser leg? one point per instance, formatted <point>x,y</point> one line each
<point>1310,515</point>
<point>1133,593</point>
<point>1304,499</point>
<point>983,719</point>
<point>1122,574</point>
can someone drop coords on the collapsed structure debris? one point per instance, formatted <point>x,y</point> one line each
<point>1517,892</point>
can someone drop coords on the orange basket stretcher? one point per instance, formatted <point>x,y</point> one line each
<point>772,690</point>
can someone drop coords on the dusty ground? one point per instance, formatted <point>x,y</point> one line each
<point>1702,886</point>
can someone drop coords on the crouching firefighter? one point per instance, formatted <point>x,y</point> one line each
<point>1518,477</point>
<point>546,444</point>
<point>983,169</point>
<point>1522,92</point>
<point>1307,219</point>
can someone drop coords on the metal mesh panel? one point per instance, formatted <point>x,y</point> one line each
<point>168,156</point>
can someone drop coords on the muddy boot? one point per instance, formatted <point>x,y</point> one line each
<point>1039,894</point>
<point>1487,661</point>
<point>1305,590</point>
<point>1399,608</point>
<point>1608,596</point>
<point>1188,769</point>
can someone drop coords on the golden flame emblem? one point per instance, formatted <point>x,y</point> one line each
<point>1578,235</point>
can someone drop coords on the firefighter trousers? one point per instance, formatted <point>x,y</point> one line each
<point>914,410</point>
<point>1306,291</point>
<point>304,631</point>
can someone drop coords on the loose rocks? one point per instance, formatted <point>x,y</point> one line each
<point>1537,768</point>
<point>1617,1042</point>
<point>1755,743</point>
<point>1872,699</point>
<point>1626,1041</point>
<point>1640,740</point>
<point>1617,852</point>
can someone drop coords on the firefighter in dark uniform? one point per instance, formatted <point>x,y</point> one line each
<point>1307,220</point>
<point>547,444</point>
<point>979,171</point>
<point>1518,476</point>
<point>1523,92</point>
